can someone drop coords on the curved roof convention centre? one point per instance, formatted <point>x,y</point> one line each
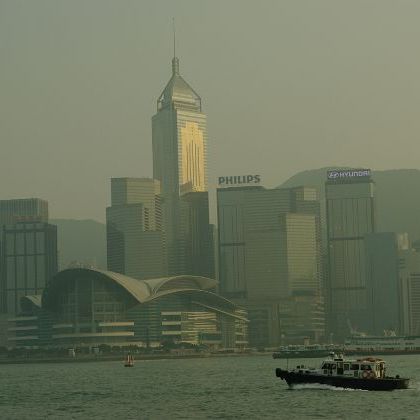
<point>141,290</point>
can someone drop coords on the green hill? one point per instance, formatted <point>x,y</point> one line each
<point>397,197</point>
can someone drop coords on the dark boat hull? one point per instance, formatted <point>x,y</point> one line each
<point>386,384</point>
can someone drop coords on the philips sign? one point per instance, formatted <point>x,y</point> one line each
<point>235,180</point>
<point>343,174</point>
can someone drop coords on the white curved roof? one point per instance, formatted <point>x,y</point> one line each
<point>141,290</point>
<point>137,288</point>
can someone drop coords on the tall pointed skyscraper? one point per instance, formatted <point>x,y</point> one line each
<point>179,138</point>
<point>179,163</point>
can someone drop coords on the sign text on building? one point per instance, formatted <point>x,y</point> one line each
<point>238,180</point>
<point>340,174</point>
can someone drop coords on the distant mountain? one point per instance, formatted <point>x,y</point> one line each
<point>397,197</point>
<point>82,241</point>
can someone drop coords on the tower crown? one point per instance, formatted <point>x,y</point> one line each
<point>178,93</point>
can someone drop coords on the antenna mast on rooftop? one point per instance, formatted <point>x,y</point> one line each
<point>173,28</point>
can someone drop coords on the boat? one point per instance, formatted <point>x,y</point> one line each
<point>367,373</point>
<point>382,345</point>
<point>129,361</point>
<point>305,351</point>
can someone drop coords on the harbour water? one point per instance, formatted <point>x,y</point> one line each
<point>219,387</point>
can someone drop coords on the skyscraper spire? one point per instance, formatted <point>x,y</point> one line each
<point>175,61</point>
<point>173,28</point>
<point>179,137</point>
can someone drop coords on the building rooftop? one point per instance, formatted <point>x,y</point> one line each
<point>178,92</point>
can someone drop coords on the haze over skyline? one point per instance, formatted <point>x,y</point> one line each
<point>286,86</point>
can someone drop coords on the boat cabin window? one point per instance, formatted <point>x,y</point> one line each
<point>354,366</point>
<point>346,366</point>
<point>365,367</point>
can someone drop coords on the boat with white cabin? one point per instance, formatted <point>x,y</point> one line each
<point>366,373</point>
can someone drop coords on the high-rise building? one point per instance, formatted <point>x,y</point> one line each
<point>197,234</point>
<point>409,292</point>
<point>12,211</point>
<point>29,260</point>
<point>269,260</point>
<point>135,238</point>
<point>28,250</point>
<point>350,216</point>
<point>179,137</point>
<point>247,241</point>
<point>383,252</point>
<point>253,222</point>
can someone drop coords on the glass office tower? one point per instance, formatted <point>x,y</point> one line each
<point>29,261</point>
<point>179,137</point>
<point>21,220</point>
<point>24,209</point>
<point>383,285</point>
<point>269,260</point>
<point>350,209</point>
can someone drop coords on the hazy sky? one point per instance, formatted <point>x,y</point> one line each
<point>286,85</point>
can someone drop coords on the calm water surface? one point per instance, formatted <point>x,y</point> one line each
<point>225,387</point>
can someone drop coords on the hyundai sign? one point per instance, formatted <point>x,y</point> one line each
<point>235,180</point>
<point>346,174</point>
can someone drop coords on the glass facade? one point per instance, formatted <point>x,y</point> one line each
<point>301,256</point>
<point>196,234</point>
<point>266,250</point>
<point>29,209</point>
<point>179,136</point>
<point>269,253</point>
<point>382,252</point>
<point>29,260</point>
<point>135,239</point>
<point>409,291</point>
<point>350,216</point>
<point>86,307</point>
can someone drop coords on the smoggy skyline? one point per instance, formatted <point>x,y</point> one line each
<point>286,86</point>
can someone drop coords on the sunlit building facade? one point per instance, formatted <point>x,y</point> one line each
<point>179,136</point>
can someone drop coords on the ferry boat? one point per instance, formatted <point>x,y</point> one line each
<point>367,373</point>
<point>382,345</point>
<point>305,351</point>
<point>129,361</point>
